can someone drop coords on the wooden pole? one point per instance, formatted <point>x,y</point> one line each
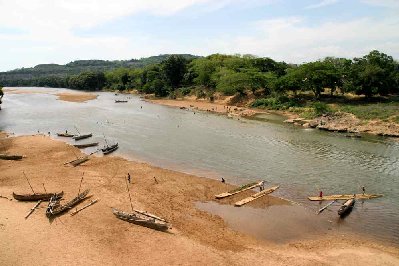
<point>84,207</point>
<point>44,188</point>
<point>81,180</point>
<point>77,130</point>
<point>127,185</point>
<point>33,209</point>
<point>325,207</point>
<point>28,182</point>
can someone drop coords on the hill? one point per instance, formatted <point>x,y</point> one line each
<point>19,77</point>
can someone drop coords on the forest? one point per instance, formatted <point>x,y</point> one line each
<point>276,85</point>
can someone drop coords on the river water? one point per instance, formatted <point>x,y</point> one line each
<point>301,161</point>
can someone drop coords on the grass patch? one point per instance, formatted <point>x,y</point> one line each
<point>383,111</point>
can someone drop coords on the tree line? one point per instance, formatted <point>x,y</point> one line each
<point>373,74</point>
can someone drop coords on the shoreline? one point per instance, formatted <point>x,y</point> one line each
<point>95,236</point>
<point>338,122</point>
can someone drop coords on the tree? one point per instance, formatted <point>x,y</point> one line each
<point>318,75</point>
<point>173,69</point>
<point>375,73</point>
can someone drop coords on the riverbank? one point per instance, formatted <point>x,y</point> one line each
<point>73,96</point>
<point>95,236</point>
<point>337,122</point>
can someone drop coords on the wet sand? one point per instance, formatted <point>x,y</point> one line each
<point>96,237</point>
<point>76,97</point>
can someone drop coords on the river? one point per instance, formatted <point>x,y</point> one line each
<point>302,161</point>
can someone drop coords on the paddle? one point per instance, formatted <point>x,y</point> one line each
<point>325,207</point>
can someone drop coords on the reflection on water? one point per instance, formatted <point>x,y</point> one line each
<point>301,161</point>
<point>276,223</point>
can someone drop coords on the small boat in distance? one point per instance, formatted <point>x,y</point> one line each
<point>66,135</point>
<point>120,101</point>
<point>86,145</point>
<point>109,149</point>
<point>255,196</point>
<point>79,137</point>
<point>347,207</point>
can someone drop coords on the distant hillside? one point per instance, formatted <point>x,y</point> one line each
<point>20,76</point>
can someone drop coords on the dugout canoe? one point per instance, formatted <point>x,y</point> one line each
<point>239,190</point>
<point>110,149</point>
<point>13,157</point>
<point>54,207</point>
<point>143,219</point>
<point>347,207</point>
<point>82,146</point>
<point>79,137</point>
<point>36,196</point>
<point>66,135</point>
<point>255,196</point>
<point>345,197</point>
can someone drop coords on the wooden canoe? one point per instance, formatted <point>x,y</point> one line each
<point>54,208</point>
<point>79,161</point>
<point>79,137</point>
<point>147,220</point>
<point>82,146</point>
<point>110,149</point>
<point>10,157</point>
<point>256,196</point>
<point>36,196</point>
<point>66,135</point>
<point>233,192</point>
<point>346,197</point>
<point>346,208</point>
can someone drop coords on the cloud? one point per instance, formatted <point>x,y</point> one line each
<point>383,3</point>
<point>290,39</point>
<point>322,3</point>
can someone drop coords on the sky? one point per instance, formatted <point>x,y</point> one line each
<point>60,31</point>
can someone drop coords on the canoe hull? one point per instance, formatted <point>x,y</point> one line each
<point>80,137</point>
<point>346,197</point>
<point>142,220</point>
<point>256,196</point>
<point>36,196</point>
<point>346,208</point>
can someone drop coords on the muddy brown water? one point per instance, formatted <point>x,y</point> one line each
<point>301,161</point>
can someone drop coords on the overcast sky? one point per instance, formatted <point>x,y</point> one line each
<point>60,31</point>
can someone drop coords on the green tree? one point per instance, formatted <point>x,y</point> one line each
<point>173,69</point>
<point>375,73</point>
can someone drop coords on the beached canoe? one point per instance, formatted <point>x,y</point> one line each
<point>256,196</point>
<point>79,137</point>
<point>82,146</point>
<point>11,157</point>
<point>37,196</point>
<point>54,207</point>
<point>239,190</point>
<point>143,219</point>
<point>66,135</point>
<point>79,161</point>
<point>346,208</point>
<point>120,101</point>
<point>346,197</point>
<point>110,149</point>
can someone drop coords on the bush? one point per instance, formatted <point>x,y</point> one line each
<point>277,103</point>
<point>320,108</point>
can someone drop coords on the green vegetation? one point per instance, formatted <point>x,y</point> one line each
<point>311,89</point>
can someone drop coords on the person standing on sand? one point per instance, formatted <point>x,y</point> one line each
<point>321,194</point>
<point>128,177</point>
<point>364,190</point>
